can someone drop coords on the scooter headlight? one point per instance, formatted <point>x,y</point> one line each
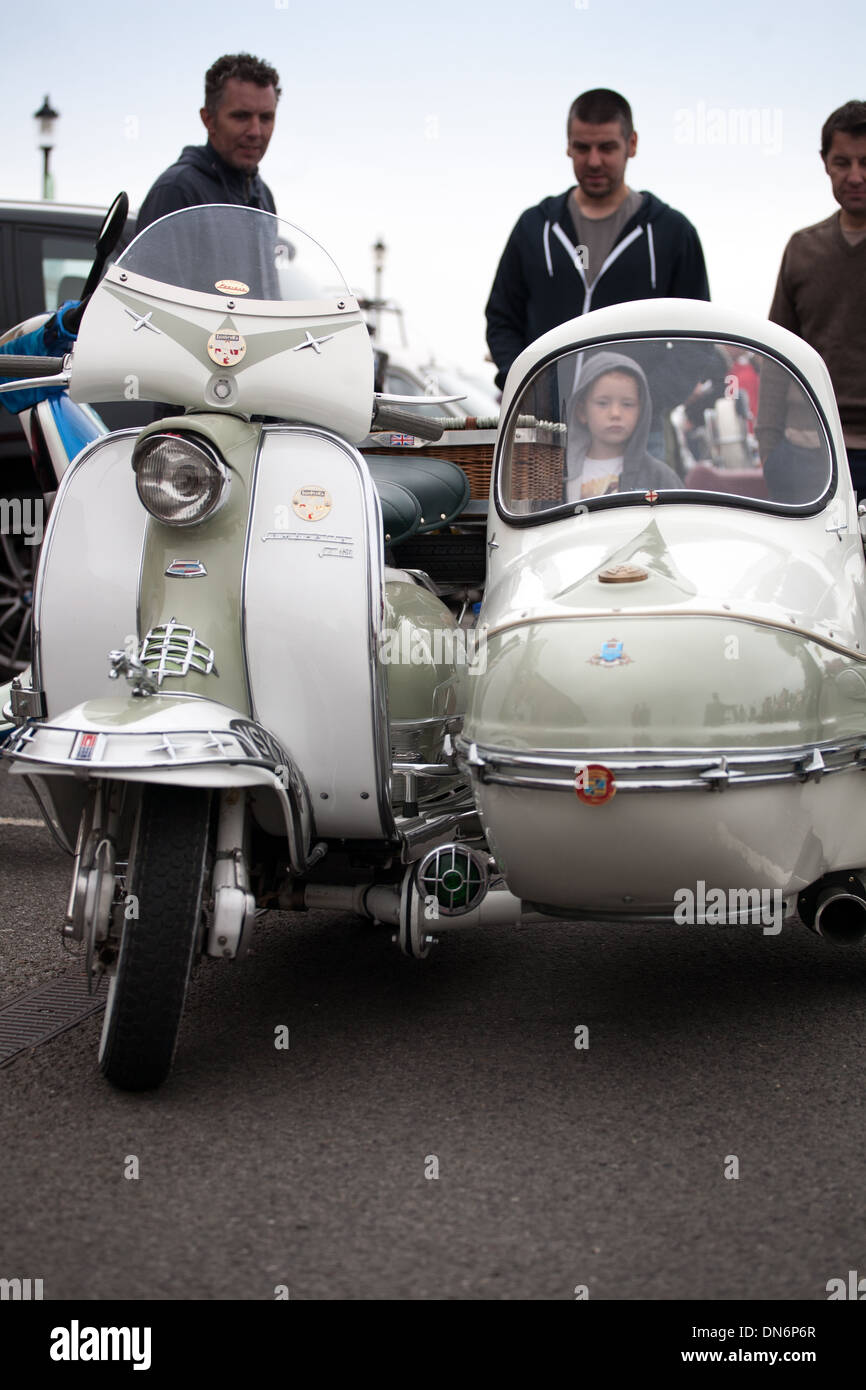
<point>181,480</point>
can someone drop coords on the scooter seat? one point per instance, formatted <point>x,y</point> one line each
<point>441,487</point>
<point>401,511</point>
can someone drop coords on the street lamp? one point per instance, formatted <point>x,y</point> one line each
<point>379,250</point>
<point>46,118</point>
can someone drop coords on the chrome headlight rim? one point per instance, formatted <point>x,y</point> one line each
<point>198,446</point>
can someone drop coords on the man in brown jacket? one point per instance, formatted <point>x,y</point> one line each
<point>821,293</point>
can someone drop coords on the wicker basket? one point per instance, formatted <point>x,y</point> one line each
<point>476,460</point>
<point>537,472</point>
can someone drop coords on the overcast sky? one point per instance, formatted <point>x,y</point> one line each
<point>435,125</point>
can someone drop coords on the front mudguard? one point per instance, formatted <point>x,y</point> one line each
<point>169,739</point>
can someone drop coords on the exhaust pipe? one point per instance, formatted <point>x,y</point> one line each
<point>835,908</point>
<point>840,917</point>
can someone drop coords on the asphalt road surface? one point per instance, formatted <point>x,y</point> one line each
<point>432,1132</point>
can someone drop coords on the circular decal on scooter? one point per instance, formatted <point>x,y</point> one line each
<point>226,348</point>
<point>311,503</point>
<point>231,287</point>
<point>594,784</point>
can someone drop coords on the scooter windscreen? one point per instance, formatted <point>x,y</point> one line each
<point>228,309</point>
<point>675,419</point>
<point>235,253</point>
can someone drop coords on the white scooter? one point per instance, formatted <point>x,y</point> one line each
<point>282,731</point>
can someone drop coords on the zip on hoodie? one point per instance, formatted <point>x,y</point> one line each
<point>613,255</point>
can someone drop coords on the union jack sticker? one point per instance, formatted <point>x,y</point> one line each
<point>402,441</point>
<point>86,747</point>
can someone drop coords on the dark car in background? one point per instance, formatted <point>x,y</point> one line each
<point>46,250</point>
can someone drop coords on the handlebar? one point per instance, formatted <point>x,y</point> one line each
<point>15,365</point>
<point>387,418</point>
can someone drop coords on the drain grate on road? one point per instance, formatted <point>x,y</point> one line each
<point>49,1009</point>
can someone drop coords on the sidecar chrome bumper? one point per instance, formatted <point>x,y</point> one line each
<point>662,770</point>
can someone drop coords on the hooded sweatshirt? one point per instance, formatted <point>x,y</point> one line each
<point>540,281</point>
<point>640,471</point>
<point>202,176</point>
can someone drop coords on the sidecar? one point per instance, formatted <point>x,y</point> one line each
<point>671,712</point>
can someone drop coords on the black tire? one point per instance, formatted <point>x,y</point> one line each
<point>157,949</point>
<point>17,568</point>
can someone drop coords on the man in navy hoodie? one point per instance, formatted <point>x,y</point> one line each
<point>598,244</point>
<point>240,107</point>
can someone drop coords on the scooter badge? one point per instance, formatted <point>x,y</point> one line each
<point>311,503</point>
<point>226,348</point>
<point>594,784</point>
<point>185,569</point>
<point>231,287</point>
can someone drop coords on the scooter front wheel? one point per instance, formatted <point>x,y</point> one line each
<point>160,937</point>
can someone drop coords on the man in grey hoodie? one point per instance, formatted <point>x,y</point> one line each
<point>608,419</point>
<point>240,107</point>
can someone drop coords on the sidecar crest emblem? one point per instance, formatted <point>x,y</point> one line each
<point>594,784</point>
<point>611,654</point>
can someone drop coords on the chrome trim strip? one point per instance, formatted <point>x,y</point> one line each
<point>623,614</point>
<point>655,770</point>
<point>454,720</point>
<point>254,482</point>
<point>400,769</point>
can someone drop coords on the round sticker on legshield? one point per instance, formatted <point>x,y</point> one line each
<point>226,348</point>
<point>231,287</point>
<point>594,784</point>
<point>311,503</point>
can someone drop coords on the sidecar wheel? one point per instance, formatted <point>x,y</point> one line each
<point>158,946</point>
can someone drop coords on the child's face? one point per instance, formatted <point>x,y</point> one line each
<point>610,410</point>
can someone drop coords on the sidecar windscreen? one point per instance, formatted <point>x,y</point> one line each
<point>238,252</point>
<point>664,419</point>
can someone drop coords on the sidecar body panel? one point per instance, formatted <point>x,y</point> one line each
<point>675,682</point>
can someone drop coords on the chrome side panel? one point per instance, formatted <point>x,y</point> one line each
<point>87,582</point>
<point>313,604</point>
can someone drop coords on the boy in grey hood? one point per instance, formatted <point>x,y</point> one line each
<point>608,419</point>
